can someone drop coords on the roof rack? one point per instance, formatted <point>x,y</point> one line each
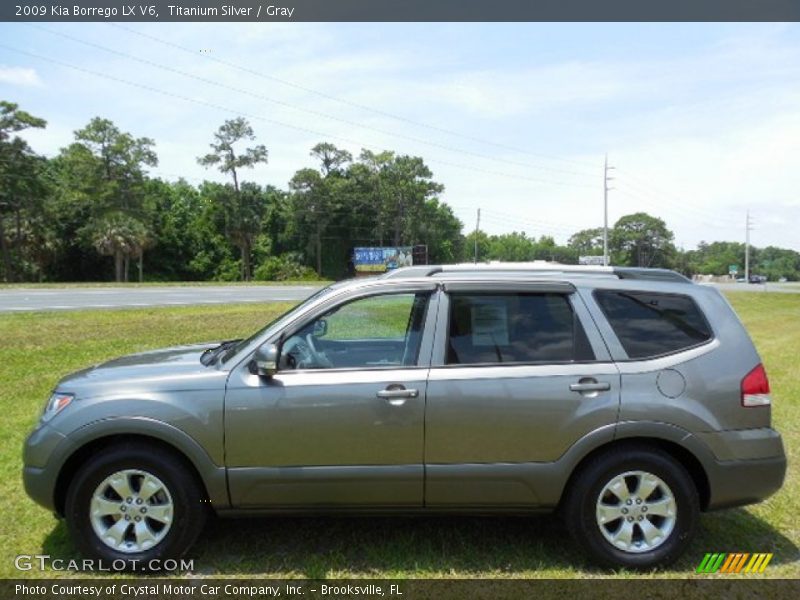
<point>540,267</point>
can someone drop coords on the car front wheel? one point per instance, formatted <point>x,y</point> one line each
<point>133,507</point>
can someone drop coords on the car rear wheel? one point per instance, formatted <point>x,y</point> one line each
<point>632,507</point>
<point>134,506</point>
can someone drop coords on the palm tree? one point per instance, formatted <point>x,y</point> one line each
<point>120,236</point>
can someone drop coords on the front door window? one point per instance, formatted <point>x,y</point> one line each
<point>374,332</point>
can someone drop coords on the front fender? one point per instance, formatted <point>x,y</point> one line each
<point>44,472</point>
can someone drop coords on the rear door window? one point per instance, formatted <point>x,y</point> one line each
<point>650,324</point>
<point>514,328</point>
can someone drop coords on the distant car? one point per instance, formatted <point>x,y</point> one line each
<point>758,279</point>
<point>741,280</point>
<point>782,280</point>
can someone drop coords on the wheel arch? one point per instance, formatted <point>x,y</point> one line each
<point>662,438</point>
<point>98,437</point>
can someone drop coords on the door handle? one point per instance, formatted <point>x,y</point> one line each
<point>590,386</point>
<point>397,396</point>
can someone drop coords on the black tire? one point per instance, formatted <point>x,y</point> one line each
<point>188,499</point>
<point>580,507</point>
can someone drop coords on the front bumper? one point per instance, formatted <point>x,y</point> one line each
<point>39,486</point>
<point>39,473</point>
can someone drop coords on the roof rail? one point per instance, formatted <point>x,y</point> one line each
<point>415,271</point>
<point>650,274</point>
<point>542,267</point>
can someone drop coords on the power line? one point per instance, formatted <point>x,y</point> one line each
<point>533,230</point>
<point>666,203</point>
<point>291,106</point>
<point>658,209</point>
<point>516,218</point>
<point>668,199</point>
<point>661,208</point>
<point>538,226</point>
<point>539,223</point>
<point>276,122</point>
<point>348,102</point>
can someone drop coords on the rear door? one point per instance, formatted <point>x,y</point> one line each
<point>519,374</point>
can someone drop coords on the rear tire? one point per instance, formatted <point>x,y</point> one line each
<point>133,506</point>
<point>634,507</point>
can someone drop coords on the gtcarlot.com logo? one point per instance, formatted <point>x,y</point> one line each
<point>42,562</point>
<point>734,562</point>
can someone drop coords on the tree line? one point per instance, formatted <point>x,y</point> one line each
<point>92,212</point>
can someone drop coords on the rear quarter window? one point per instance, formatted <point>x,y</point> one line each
<point>650,324</point>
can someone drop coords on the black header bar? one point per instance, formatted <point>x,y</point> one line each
<point>400,10</point>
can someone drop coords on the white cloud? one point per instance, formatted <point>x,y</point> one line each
<point>19,76</point>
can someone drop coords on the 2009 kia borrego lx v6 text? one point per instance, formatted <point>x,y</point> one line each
<point>629,400</point>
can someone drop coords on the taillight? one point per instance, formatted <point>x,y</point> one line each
<point>755,388</point>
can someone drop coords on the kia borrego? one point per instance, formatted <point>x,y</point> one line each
<point>629,400</point>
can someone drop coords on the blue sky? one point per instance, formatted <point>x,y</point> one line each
<point>701,121</point>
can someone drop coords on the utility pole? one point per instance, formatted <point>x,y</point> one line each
<point>606,179</point>
<point>477,229</point>
<point>747,228</point>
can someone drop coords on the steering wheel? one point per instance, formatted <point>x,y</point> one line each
<point>301,353</point>
<point>298,355</point>
<point>321,359</point>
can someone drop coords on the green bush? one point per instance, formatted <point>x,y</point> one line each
<point>286,267</point>
<point>228,270</point>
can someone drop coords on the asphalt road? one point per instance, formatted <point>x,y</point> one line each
<point>77,298</point>
<point>26,299</point>
<point>784,288</point>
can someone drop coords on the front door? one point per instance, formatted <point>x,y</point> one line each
<point>342,421</point>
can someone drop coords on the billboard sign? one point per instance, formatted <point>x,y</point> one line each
<point>381,259</point>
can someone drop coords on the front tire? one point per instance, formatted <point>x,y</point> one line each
<point>634,507</point>
<point>133,506</point>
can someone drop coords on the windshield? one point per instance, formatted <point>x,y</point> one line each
<point>233,350</point>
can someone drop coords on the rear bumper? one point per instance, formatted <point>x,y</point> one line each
<point>740,482</point>
<point>748,466</point>
<point>743,444</point>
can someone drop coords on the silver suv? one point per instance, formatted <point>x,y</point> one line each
<point>628,399</point>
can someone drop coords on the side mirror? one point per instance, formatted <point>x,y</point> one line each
<point>266,360</point>
<point>320,328</point>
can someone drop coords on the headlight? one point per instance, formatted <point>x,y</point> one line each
<point>56,404</point>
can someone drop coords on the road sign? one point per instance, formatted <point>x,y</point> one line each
<point>733,269</point>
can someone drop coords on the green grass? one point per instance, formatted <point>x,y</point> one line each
<point>39,348</point>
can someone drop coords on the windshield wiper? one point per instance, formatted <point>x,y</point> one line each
<point>211,354</point>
